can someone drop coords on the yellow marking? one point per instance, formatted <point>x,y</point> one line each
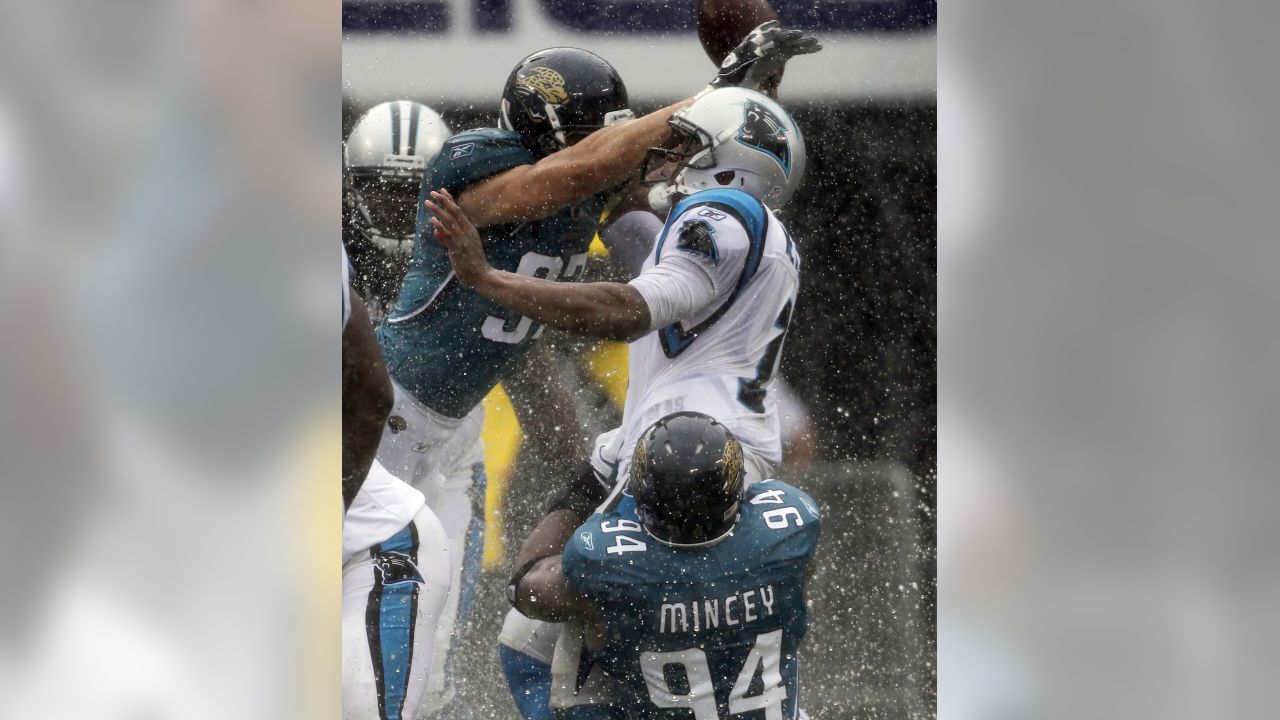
<point>502,439</point>
<point>597,248</point>
<point>607,364</point>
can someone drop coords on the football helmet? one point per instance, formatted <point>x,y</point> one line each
<point>559,94</point>
<point>687,479</point>
<point>728,138</point>
<point>383,162</point>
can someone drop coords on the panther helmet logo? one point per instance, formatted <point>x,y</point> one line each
<point>762,130</point>
<point>546,83</point>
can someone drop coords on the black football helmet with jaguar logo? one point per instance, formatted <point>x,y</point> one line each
<point>557,95</point>
<point>687,479</point>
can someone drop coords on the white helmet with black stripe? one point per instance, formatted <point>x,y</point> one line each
<point>729,138</point>
<point>383,161</point>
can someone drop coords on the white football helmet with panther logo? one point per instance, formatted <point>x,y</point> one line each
<point>383,161</point>
<point>730,138</point>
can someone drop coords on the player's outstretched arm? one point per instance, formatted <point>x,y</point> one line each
<point>366,398</point>
<point>606,157</point>
<point>607,310</point>
<point>603,159</point>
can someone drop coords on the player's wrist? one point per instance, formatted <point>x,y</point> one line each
<point>483,279</point>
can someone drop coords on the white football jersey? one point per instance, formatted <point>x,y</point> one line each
<point>383,506</point>
<point>720,359</point>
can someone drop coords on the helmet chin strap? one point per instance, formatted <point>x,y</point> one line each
<point>660,197</point>
<point>558,131</point>
<point>504,122</point>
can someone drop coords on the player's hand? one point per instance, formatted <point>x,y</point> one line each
<point>758,61</point>
<point>459,235</point>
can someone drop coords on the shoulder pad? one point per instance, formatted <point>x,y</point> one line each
<point>720,204</point>
<point>585,560</point>
<point>785,494</point>
<point>474,155</point>
<point>788,516</point>
<point>588,540</point>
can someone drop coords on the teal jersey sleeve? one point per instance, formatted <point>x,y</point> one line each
<point>475,155</point>
<point>577,566</point>
<point>792,517</point>
<point>591,558</point>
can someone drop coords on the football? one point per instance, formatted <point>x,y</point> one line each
<point>723,23</point>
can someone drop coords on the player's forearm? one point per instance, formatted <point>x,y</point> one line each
<point>612,311</point>
<point>544,594</point>
<point>549,537</point>
<point>602,160</point>
<point>608,156</point>
<point>539,589</point>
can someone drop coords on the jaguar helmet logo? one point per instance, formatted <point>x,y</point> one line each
<point>731,464</point>
<point>764,131</point>
<point>546,83</point>
<point>639,458</point>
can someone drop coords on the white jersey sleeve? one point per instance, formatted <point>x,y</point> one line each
<point>697,264</point>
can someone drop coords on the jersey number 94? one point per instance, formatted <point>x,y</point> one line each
<point>764,659</point>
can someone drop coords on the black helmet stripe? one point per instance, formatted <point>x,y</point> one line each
<point>414,110</point>
<point>395,127</point>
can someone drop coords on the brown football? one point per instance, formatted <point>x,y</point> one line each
<point>723,23</point>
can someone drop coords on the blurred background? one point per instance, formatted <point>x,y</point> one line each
<point>860,359</point>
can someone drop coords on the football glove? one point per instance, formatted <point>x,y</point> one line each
<point>758,61</point>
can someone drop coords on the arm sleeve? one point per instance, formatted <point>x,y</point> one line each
<point>674,290</point>
<point>582,495</point>
<point>576,567</point>
<point>470,157</point>
<point>698,262</point>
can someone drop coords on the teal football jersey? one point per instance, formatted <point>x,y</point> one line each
<point>443,342</point>
<point>713,629</point>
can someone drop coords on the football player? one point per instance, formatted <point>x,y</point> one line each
<point>712,302</point>
<point>395,561</point>
<point>383,161</point>
<point>537,186</point>
<point>693,586</point>
<point>708,314</point>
